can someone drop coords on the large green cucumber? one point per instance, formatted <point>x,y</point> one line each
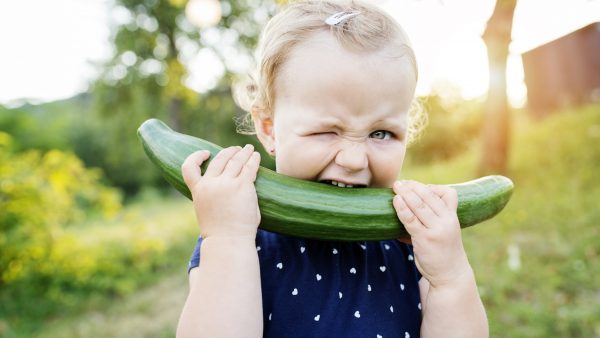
<point>315,210</point>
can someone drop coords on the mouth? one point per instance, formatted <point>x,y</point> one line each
<point>342,184</point>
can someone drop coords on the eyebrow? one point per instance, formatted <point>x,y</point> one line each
<point>392,123</point>
<point>383,123</point>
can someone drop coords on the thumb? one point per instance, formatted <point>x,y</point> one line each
<point>190,169</point>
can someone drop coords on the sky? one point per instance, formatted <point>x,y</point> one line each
<point>51,49</point>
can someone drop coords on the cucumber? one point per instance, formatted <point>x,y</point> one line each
<point>301,208</point>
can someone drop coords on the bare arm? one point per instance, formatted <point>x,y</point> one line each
<point>449,298</point>
<point>225,295</point>
<point>453,310</point>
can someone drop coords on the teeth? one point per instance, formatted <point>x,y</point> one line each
<point>341,185</point>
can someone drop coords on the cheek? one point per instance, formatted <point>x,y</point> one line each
<point>386,167</point>
<point>301,159</point>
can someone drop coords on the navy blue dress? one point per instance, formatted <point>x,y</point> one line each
<point>314,288</point>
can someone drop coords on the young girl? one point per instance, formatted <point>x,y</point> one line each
<point>331,104</point>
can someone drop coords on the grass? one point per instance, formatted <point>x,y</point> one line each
<point>150,312</point>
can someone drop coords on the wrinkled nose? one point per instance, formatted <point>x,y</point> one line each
<point>352,156</point>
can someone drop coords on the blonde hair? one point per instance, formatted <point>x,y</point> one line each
<point>371,30</point>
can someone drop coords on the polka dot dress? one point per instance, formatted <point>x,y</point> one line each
<point>316,288</point>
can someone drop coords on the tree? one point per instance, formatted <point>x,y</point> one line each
<point>146,74</point>
<point>497,37</point>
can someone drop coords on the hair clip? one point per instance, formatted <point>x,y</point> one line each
<point>338,17</point>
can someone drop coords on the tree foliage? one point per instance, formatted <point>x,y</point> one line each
<point>146,77</point>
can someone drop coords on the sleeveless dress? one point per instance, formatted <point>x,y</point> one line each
<point>313,288</point>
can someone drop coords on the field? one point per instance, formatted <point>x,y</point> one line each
<point>535,262</point>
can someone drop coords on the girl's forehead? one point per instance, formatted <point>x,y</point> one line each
<point>322,59</point>
<point>322,73</point>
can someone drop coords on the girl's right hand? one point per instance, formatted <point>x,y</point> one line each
<point>224,197</point>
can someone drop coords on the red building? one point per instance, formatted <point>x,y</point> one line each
<point>563,72</point>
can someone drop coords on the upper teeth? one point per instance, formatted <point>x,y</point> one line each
<point>341,185</point>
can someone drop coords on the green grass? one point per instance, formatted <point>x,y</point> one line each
<point>151,312</point>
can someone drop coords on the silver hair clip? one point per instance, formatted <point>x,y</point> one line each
<point>339,17</point>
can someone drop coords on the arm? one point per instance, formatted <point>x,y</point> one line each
<point>225,296</point>
<point>449,298</point>
<point>455,308</point>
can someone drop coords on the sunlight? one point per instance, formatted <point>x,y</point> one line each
<point>462,62</point>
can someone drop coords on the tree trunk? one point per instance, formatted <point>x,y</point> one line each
<point>496,123</point>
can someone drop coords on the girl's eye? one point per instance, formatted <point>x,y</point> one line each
<point>324,133</point>
<point>381,135</point>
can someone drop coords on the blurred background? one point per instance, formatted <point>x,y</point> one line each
<point>94,243</point>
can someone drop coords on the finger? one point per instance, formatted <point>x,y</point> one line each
<point>447,194</point>
<point>190,169</point>
<point>250,169</point>
<point>430,198</point>
<point>237,162</point>
<point>217,165</point>
<point>419,207</point>
<point>411,222</point>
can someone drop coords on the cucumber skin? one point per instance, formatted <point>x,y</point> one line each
<point>301,208</point>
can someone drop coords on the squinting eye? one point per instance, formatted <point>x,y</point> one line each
<point>381,135</point>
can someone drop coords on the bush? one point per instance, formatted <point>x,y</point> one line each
<point>452,127</point>
<point>41,193</point>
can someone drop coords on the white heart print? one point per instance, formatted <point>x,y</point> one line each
<point>382,268</point>
<point>279,265</point>
<point>357,314</point>
<point>318,277</point>
<point>295,291</point>
<point>353,271</point>
<point>317,317</point>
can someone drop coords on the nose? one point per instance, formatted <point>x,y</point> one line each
<point>352,156</point>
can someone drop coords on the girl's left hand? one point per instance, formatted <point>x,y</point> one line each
<point>428,213</point>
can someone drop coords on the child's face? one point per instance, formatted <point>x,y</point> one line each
<point>340,116</point>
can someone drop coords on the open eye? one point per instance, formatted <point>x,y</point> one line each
<point>381,135</point>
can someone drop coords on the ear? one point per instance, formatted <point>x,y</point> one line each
<point>263,124</point>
